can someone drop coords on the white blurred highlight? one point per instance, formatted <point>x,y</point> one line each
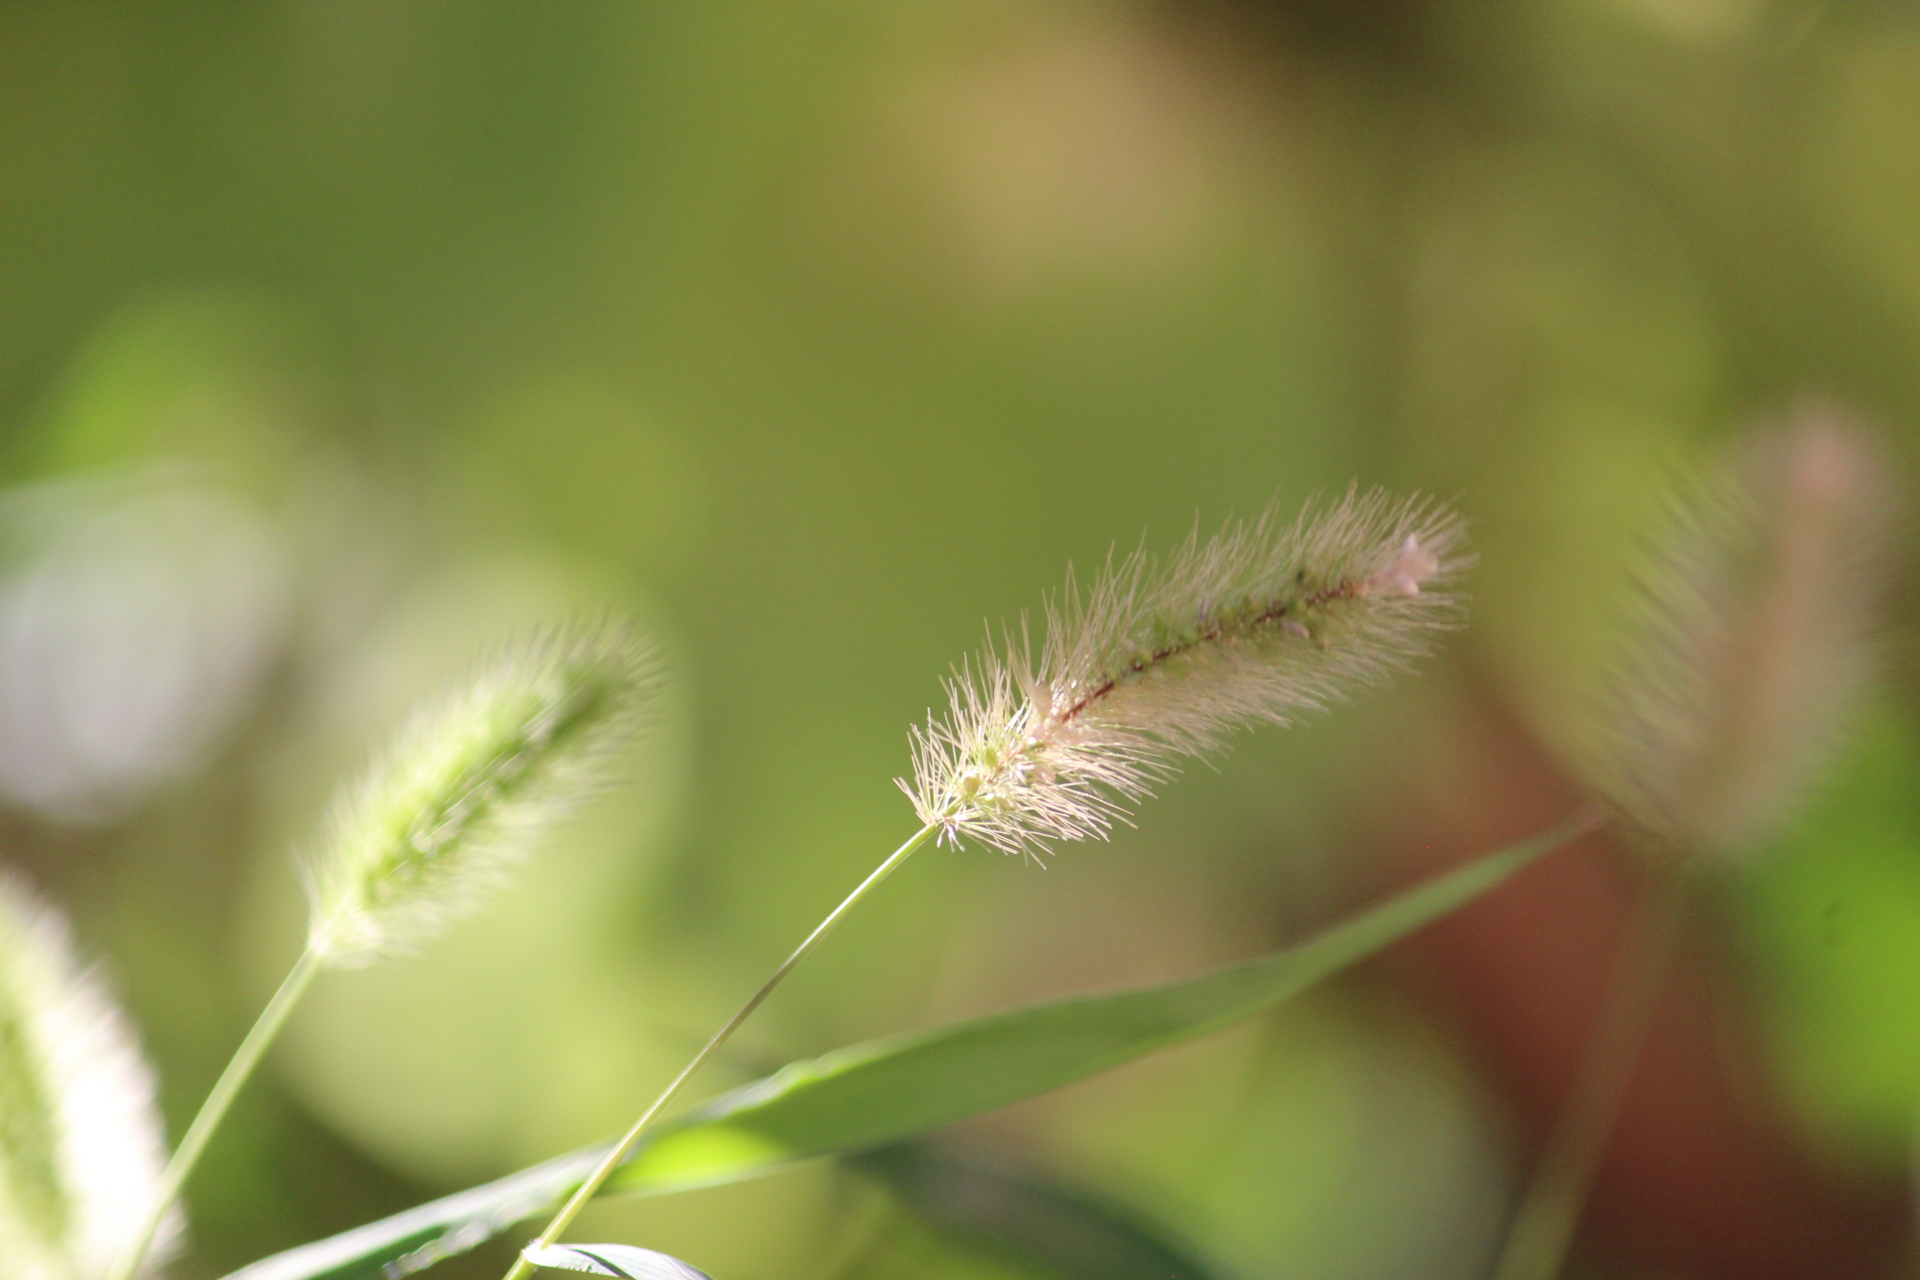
<point>138,615</point>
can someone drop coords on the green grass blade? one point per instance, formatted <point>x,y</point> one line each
<point>885,1091</point>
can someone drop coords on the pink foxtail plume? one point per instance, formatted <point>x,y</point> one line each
<point>1265,620</point>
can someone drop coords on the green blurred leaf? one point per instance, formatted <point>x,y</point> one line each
<point>223,380</point>
<point>1833,917</point>
<point>626,1260</point>
<point>1064,1231</point>
<point>881,1092</point>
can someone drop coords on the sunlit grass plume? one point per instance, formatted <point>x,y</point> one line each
<point>1154,659</point>
<point>81,1146</point>
<point>467,789</point>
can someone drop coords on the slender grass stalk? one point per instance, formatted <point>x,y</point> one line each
<point>561,1220</point>
<point>214,1109</point>
<point>1543,1225</point>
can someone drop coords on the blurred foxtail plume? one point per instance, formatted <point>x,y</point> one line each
<point>1757,635</point>
<point>467,789</point>
<point>1263,621</point>
<point>81,1146</point>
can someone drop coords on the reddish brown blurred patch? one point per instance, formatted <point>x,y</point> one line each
<point>1702,1175</point>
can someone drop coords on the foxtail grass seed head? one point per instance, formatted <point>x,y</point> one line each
<point>81,1147</point>
<point>1155,659</point>
<point>1757,635</point>
<point>468,788</point>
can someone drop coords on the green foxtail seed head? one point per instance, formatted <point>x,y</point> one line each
<point>1260,622</point>
<point>81,1148</point>
<point>1756,635</point>
<point>469,787</point>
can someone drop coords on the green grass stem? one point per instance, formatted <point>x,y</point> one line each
<point>214,1109</point>
<point>587,1190</point>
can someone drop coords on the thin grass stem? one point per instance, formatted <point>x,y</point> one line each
<point>214,1109</point>
<point>1543,1226</point>
<point>587,1189</point>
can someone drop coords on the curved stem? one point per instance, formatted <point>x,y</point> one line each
<point>1544,1224</point>
<point>214,1109</point>
<point>586,1191</point>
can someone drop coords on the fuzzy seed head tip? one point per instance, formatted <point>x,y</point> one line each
<point>467,788</point>
<point>1403,574</point>
<point>1158,658</point>
<point>81,1146</point>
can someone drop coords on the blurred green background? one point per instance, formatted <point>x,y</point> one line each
<point>341,341</point>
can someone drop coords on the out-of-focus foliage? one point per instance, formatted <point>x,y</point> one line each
<point>1837,931</point>
<point>340,340</point>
